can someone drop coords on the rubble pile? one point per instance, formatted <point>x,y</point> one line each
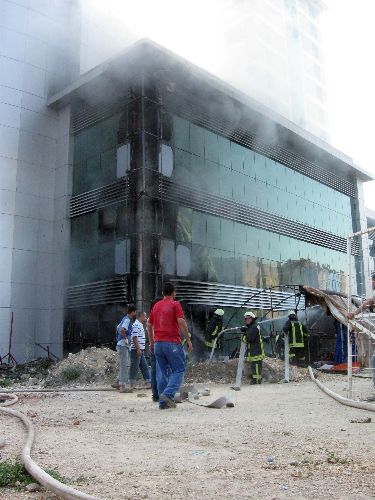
<point>89,366</point>
<point>224,372</point>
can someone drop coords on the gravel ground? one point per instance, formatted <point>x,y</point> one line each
<point>280,441</point>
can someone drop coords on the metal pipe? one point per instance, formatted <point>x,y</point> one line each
<point>349,388</point>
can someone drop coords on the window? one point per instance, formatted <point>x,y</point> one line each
<point>166,160</point>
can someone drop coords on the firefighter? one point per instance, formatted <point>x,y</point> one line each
<point>214,327</point>
<point>297,339</point>
<point>255,349</point>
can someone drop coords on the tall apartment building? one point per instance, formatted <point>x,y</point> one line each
<point>277,57</point>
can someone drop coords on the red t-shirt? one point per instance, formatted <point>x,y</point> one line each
<point>164,317</point>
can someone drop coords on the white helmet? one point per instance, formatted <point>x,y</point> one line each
<point>291,313</point>
<point>219,312</point>
<point>249,314</point>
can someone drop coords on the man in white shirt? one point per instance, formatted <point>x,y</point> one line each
<point>137,350</point>
<point>123,344</point>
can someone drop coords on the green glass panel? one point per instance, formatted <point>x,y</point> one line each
<point>237,157</point>
<point>213,231</point>
<point>238,183</point>
<point>225,184</point>
<point>79,177</point>
<point>106,260</point>
<point>211,148</point>
<point>214,264</point>
<point>108,161</point>
<point>199,228</point>
<point>210,177</point>
<point>80,146</point>
<point>227,235</point>
<point>93,172</point>
<point>183,170</point>
<point>248,164</point>
<point>197,171</point>
<point>260,166</point>
<point>197,140</point>
<point>228,272</point>
<point>181,134</point>
<point>240,241</point>
<point>225,158</point>
<point>199,262</point>
<point>184,224</point>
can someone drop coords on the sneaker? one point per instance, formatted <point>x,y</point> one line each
<point>164,407</point>
<point>116,385</point>
<point>168,401</point>
<point>124,389</point>
<point>155,399</point>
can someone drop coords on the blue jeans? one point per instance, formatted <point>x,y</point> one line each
<point>154,385</point>
<point>124,355</point>
<point>170,367</point>
<point>135,363</point>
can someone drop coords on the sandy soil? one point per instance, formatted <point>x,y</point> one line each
<point>279,442</point>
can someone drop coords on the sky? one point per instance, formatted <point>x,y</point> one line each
<point>348,32</point>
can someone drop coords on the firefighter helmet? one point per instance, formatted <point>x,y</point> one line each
<point>291,313</point>
<point>219,312</point>
<point>249,314</point>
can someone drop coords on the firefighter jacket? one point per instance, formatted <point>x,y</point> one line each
<point>214,327</point>
<point>254,341</point>
<point>297,333</point>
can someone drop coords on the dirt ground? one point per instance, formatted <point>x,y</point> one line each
<point>280,441</point>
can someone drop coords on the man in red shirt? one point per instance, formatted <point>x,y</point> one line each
<point>164,325</point>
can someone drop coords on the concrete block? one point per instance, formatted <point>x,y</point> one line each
<point>14,16</point>
<point>28,178</point>
<point>8,173</point>
<point>10,115</point>
<point>10,96</point>
<point>44,296</point>
<point>47,182</point>
<point>6,230</point>
<point>45,236</point>
<point>34,80</point>
<point>7,201</point>
<point>23,296</point>
<point>5,264</point>
<point>12,73</point>
<point>45,274</point>
<point>36,52</point>
<point>61,181</point>
<point>30,148</point>
<point>48,156</point>
<point>27,205</point>
<point>25,233</point>
<point>12,44</point>
<point>24,267</point>
<point>9,142</point>
<point>4,328</point>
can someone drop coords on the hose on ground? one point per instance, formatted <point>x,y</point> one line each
<point>345,401</point>
<point>33,468</point>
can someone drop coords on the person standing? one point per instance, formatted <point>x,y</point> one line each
<point>154,385</point>
<point>122,347</point>
<point>367,304</point>
<point>297,339</point>
<point>255,350</point>
<point>214,327</point>
<point>165,322</point>
<point>137,352</point>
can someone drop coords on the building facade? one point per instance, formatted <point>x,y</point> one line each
<point>176,176</point>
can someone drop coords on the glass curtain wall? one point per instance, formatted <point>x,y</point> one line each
<point>209,248</point>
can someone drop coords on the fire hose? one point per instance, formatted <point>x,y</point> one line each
<point>62,490</point>
<point>345,401</point>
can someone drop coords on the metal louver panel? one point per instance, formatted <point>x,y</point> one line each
<point>245,214</point>
<point>85,116</point>
<point>192,112</point>
<point>101,197</point>
<point>98,292</point>
<point>220,294</point>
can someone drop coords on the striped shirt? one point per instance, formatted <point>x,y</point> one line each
<point>139,332</point>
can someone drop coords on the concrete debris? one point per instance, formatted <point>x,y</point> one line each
<point>32,487</point>
<point>2,442</point>
<point>361,421</point>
